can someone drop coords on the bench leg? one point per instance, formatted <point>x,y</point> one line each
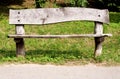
<point>20,48</point>
<point>98,46</point>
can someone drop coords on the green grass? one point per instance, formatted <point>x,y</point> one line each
<point>115,17</point>
<point>60,51</point>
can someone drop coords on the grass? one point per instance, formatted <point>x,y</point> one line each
<point>60,51</point>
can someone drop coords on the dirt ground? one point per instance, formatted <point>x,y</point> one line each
<point>35,71</point>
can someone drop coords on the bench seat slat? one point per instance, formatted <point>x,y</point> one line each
<point>60,36</point>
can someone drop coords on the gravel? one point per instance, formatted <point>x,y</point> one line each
<point>36,71</point>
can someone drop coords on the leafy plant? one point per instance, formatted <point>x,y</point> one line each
<point>79,3</point>
<point>40,3</point>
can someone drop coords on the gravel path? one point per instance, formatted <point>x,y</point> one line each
<point>35,71</point>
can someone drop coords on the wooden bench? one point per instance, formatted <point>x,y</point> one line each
<point>55,15</point>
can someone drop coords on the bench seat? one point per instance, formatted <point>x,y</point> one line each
<point>60,36</point>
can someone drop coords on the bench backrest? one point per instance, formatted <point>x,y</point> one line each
<point>54,15</point>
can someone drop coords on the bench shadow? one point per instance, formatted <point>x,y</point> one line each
<point>7,53</point>
<point>58,53</point>
<point>55,55</point>
<point>38,52</point>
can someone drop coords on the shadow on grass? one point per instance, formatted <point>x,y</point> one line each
<point>4,11</point>
<point>49,53</point>
<point>115,17</point>
<point>70,54</point>
<point>7,53</point>
<point>45,56</point>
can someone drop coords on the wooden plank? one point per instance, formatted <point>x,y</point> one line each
<point>20,48</point>
<point>20,29</point>
<point>59,36</point>
<point>98,40</point>
<point>54,15</point>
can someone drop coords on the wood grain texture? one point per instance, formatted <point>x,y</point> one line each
<point>98,40</point>
<point>20,48</point>
<point>19,29</point>
<point>54,15</point>
<point>59,36</point>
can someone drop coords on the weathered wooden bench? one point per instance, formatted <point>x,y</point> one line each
<point>55,15</point>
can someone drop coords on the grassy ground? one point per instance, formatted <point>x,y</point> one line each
<point>60,51</point>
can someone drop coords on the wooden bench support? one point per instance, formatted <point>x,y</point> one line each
<point>20,48</point>
<point>98,40</point>
<point>98,45</point>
